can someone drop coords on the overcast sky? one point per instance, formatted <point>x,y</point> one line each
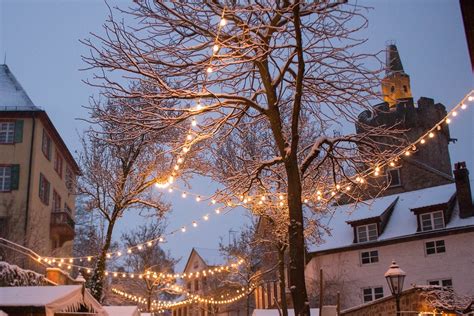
<point>40,40</point>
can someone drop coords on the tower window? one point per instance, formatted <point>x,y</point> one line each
<point>405,89</point>
<point>392,89</point>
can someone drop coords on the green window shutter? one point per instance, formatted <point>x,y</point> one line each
<point>15,177</point>
<point>19,131</point>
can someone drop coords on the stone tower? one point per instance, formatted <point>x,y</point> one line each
<point>430,165</point>
<point>396,84</point>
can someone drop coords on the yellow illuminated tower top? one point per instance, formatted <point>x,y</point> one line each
<point>396,84</point>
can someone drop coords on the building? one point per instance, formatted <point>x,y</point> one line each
<point>37,175</point>
<point>424,220</point>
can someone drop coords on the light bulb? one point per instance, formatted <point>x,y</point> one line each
<point>119,253</point>
<point>209,69</point>
<point>193,122</point>
<point>213,201</point>
<point>176,167</point>
<point>129,250</point>
<point>392,164</point>
<point>198,199</point>
<point>183,229</point>
<point>431,135</point>
<point>305,200</point>
<point>318,192</point>
<point>215,48</point>
<point>140,247</point>
<point>376,173</point>
<point>338,186</point>
<point>223,22</point>
<point>348,188</point>
<point>218,211</point>
<point>470,98</point>
<point>455,113</point>
<point>407,153</point>
<point>448,121</point>
<point>463,106</point>
<point>422,141</point>
<point>195,224</point>
<point>180,160</point>
<point>161,239</point>
<point>149,244</point>
<point>170,190</point>
<point>183,195</point>
<point>281,204</point>
<point>205,217</point>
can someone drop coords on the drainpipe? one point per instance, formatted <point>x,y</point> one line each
<point>28,189</point>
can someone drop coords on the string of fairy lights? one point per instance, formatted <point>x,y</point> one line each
<point>190,298</point>
<point>319,196</point>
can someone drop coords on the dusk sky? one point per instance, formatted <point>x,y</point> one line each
<point>40,42</point>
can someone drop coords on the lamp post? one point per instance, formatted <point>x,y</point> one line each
<point>395,277</point>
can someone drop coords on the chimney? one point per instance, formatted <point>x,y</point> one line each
<point>463,190</point>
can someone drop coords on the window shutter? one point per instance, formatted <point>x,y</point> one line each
<point>19,131</point>
<point>15,177</point>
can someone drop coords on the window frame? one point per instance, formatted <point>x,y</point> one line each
<point>42,194</point>
<point>58,163</point>
<point>69,178</point>
<point>439,282</point>
<point>370,257</point>
<point>390,178</point>
<point>373,295</point>
<point>366,231</point>
<point>435,247</point>
<point>46,145</point>
<point>7,131</point>
<point>431,221</point>
<point>56,201</point>
<point>6,167</point>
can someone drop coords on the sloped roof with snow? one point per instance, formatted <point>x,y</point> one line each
<point>122,310</point>
<point>53,298</point>
<point>12,95</point>
<point>401,223</point>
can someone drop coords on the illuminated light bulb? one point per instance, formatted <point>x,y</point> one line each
<point>198,106</point>
<point>119,253</point>
<point>185,149</point>
<point>198,199</point>
<point>431,135</point>
<point>263,198</point>
<point>140,247</point>
<point>170,190</point>
<point>129,251</point>
<point>132,275</point>
<point>215,48</point>
<point>318,192</point>
<point>281,197</point>
<point>115,274</point>
<point>338,186</point>
<point>358,179</point>
<point>88,270</point>
<point>362,180</point>
<point>106,273</point>
<point>209,69</point>
<point>392,164</point>
<point>455,113</point>
<point>470,98</point>
<point>161,239</point>
<point>422,141</point>
<point>213,201</point>
<point>183,195</point>
<point>333,193</point>
<point>70,260</point>
<point>377,169</point>
<point>124,275</point>
<point>149,244</point>
<point>170,179</point>
<point>438,127</point>
<point>59,264</point>
<point>407,153</point>
<point>463,106</point>
<point>260,202</point>
<point>183,229</point>
<point>376,173</point>
<point>176,167</point>
<point>205,217</point>
<point>281,204</point>
<point>306,200</point>
<point>245,201</point>
<point>348,188</point>
<point>180,160</point>
<point>195,224</point>
<point>448,121</point>
<point>54,260</point>
<point>218,211</point>
<point>62,260</point>
<point>108,255</point>
<point>223,22</point>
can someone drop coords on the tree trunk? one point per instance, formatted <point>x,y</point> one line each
<point>296,240</point>
<point>96,282</point>
<point>282,282</point>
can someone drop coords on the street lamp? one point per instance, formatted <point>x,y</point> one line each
<point>395,277</point>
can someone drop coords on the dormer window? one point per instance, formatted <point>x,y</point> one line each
<point>367,233</point>
<point>432,221</point>
<point>393,177</point>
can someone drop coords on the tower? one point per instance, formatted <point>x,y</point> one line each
<point>396,84</point>
<point>430,164</point>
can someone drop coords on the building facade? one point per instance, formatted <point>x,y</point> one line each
<point>424,220</point>
<point>37,175</point>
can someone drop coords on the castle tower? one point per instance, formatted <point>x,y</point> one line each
<point>430,164</point>
<point>396,84</point>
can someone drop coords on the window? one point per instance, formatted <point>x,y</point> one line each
<point>69,180</point>
<point>46,145</point>
<point>44,189</point>
<point>372,293</point>
<point>5,178</point>
<point>431,221</point>
<point>393,177</point>
<point>433,247</point>
<point>405,89</point>
<point>7,132</point>
<point>441,282</point>
<point>188,285</point>
<point>369,257</point>
<point>58,164</point>
<point>392,89</point>
<point>56,202</point>
<point>367,233</point>
<point>196,285</point>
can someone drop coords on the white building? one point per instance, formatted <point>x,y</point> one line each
<point>429,232</point>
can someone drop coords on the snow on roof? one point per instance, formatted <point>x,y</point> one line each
<point>327,311</point>
<point>12,95</point>
<point>122,310</point>
<point>52,298</point>
<point>402,221</point>
<point>211,257</point>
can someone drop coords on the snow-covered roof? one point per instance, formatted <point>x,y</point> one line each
<point>402,222</point>
<point>12,95</point>
<point>122,310</point>
<point>211,257</point>
<point>327,311</point>
<point>53,298</point>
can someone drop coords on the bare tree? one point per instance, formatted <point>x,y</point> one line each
<point>280,75</point>
<point>117,176</point>
<point>151,259</point>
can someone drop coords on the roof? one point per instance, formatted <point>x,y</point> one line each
<point>211,257</point>
<point>394,62</point>
<point>122,310</point>
<point>12,95</point>
<point>402,222</point>
<point>52,298</point>
<point>327,311</point>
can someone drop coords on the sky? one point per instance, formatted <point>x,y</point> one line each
<point>39,39</point>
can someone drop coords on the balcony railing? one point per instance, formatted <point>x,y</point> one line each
<point>62,223</point>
